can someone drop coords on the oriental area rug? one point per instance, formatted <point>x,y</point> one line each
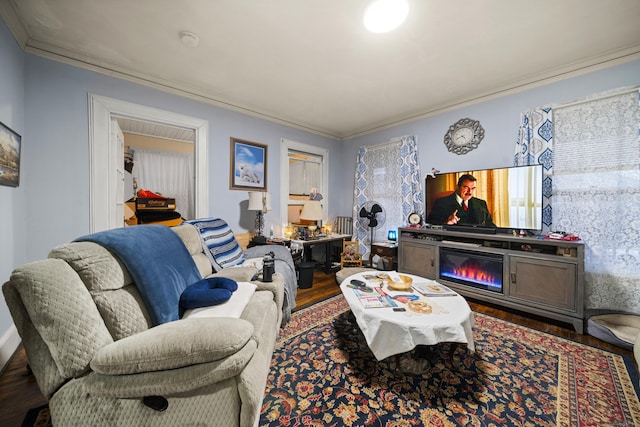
<point>323,374</point>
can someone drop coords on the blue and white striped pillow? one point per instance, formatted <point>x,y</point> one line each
<point>219,243</point>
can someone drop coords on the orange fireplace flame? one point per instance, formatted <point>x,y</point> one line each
<point>472,270</point>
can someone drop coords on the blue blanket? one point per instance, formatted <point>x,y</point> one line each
<point>159,264</point>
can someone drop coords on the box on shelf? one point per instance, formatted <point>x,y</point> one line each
<point>145,203</point>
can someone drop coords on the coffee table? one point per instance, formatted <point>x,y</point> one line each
<point>390,333</point>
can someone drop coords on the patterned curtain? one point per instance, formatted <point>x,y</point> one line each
<point>596,189</point>
<point>535,146</point>
<point>388,174</point>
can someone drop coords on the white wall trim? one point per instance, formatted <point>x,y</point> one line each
<point>8,345</point>
<point>102,198</point>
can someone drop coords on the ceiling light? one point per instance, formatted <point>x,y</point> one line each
<point>383,16</point>
<point>189,39</point>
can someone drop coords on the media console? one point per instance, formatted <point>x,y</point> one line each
<point>540,276</point>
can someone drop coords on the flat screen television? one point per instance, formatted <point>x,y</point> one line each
<point>513,197</point>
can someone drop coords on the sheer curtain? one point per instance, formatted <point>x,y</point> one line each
<point>169,173</point>
<point>596,191</point>
<point>590,151</point>
<point>304,174</point>
<point>389,174</point>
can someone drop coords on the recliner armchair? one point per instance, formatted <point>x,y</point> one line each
<point>99,360</point>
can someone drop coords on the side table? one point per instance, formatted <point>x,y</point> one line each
<point>386,250</point>
<point>327,242</point>
<point>261,240</point>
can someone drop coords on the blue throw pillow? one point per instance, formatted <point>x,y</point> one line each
<point>207,292</point>
<point>219,243</point>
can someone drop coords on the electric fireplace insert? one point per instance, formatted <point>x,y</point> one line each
<point>477,269</point>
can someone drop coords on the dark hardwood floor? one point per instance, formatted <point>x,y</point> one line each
<point>19,391</point>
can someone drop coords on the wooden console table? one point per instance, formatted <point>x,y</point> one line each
<point>540,276</point>
<point>386,250</point>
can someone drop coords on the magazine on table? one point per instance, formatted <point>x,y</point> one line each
<point>432,288</point>
<point>375,298</point>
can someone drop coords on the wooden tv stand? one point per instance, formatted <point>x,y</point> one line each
<point>541,276</point>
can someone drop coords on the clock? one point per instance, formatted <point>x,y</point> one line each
<point>464,136</point>
<point>415,219</point>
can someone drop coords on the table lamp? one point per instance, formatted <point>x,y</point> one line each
<point>312,211</point>
<point>261,203</point>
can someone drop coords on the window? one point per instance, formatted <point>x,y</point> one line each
<point>305,173</point>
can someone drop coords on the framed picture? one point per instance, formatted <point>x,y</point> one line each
<point>9,156</point>
<point>248,170</point>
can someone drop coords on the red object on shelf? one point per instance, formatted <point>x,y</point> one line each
<point>149,194</point>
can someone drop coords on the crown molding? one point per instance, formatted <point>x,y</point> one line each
<point>54,53</point>
<point>572,70</point>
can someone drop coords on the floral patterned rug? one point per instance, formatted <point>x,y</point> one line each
<point>323,374</point>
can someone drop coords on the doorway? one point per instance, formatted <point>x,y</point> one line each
<point>106,177</point>
<point>314,162</point>
<point>159,158</point>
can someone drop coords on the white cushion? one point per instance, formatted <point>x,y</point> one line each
<point>231,308</point>
<point>251,262</point>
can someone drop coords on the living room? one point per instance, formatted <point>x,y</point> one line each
<point>44,99</point>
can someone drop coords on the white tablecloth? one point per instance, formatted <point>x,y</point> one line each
<point>389,332</point>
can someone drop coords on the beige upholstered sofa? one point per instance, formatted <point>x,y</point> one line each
<point>99,361</point>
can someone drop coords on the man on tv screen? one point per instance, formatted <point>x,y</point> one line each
<point>461,207</point>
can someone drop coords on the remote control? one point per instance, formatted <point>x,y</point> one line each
<point>359,283</point>
<point>360,288</point>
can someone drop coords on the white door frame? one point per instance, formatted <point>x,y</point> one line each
<point>104,160</point>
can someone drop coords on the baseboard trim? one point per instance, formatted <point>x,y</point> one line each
<point>8,345</point>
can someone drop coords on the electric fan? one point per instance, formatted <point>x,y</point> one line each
<point>375,217</point>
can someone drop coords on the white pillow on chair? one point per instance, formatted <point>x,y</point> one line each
<point>231,308</point>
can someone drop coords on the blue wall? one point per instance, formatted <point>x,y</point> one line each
<point>56,158</point>
<point>12,222</point>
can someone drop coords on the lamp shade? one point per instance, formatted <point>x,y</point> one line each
<point>259,201</point>
<point>312,210</point>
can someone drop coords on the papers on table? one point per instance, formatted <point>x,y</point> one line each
<point>376,299</point>
<point>432,288</point>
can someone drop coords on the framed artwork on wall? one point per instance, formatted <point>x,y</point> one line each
<point>248,169</point>
<point>10,143</point>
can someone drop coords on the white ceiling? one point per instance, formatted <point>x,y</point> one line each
<point>311,64</point>
<point>154,129</point>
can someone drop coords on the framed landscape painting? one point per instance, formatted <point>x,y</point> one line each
<point>248,169</point>
<point>9,156</point>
